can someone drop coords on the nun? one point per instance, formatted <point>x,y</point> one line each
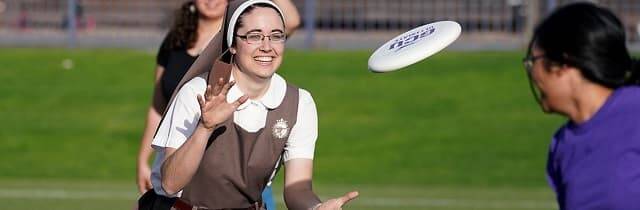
<point>234,121</point>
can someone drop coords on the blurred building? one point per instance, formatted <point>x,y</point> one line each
<point>487,24</point>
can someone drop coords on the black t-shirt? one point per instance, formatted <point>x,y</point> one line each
<point>176,62</point>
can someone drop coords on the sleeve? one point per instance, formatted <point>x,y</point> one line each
<point>181,118</point>
<point>162,58</point>
<point>302,140</point>
<point>625,188</point>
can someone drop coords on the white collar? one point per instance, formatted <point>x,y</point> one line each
<point>271,99</point>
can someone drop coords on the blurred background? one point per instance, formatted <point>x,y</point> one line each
<point>459,130</point>
<point>327,24</point>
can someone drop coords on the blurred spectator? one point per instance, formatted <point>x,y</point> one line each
<point>82,22</point>
<point>23,17</point>
<point>517,15</point>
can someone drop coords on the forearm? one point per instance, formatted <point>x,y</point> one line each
<point>144,154</point>
<point>180,166</point>
<point>154,116</point>
<point>300,196</point>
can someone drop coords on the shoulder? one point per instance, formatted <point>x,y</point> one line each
<point>305,96</point>
<point>629,94</point>
<point>198,82</point>
<point>559,136</point>
<point>623,108</point>
<point>196,85</point>
<point>561,131</point>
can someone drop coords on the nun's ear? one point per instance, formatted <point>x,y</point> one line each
<point>232,50</point>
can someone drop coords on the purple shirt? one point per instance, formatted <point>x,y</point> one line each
<point>596,164</point>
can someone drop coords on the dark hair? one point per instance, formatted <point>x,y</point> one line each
<point>590,38</point>
<point>184,31</point>
<point>240,23</point>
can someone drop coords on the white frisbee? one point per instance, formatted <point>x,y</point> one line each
<point>414,45</point>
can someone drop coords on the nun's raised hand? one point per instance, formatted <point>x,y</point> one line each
<point>337,203</point>
<point>214,107</point>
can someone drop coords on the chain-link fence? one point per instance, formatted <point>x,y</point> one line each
<point>487,24</point>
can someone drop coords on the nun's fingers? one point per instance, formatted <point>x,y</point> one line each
<point>207,93</point>
<point>346,198</point>
<point>226,88</point>
<point>217,87</point>
<point>240,101</point>
<point>201,101</point>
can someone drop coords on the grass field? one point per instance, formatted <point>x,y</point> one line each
<point>457,131</point>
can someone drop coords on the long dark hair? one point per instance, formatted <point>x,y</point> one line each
<point>184,31</point>
<point>590,38</point>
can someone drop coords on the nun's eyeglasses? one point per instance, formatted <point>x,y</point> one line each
<point>256,38</point>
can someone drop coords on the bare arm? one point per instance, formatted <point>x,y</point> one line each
<point>291,15</point>
<point>153,119</point>
<point>181,164</point>
<point>298,191</point>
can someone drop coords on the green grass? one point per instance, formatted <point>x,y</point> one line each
<point>456,121</point>
<point>106,195</point>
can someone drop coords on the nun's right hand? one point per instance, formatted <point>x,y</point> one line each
<point>214,107</point>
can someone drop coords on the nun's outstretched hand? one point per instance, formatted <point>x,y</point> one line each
<point>337,203</point>
<point>214,107</point>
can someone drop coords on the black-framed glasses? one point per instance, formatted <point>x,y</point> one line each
<point>528,62</point>
<point>256,38</point>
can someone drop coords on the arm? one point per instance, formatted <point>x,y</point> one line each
<point>153,119</point>
<point>181,164</point>
<point>291,15</point>
<point>298,192</point>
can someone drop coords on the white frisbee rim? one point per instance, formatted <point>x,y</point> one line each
<point>382,60</point>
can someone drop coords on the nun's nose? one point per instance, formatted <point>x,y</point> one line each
<point>265,44</point>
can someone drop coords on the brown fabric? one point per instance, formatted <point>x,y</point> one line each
<point>222,70</point>
<point>181,205</point>
<point>237,164</point>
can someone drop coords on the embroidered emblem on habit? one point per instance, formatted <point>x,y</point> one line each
<point>281,129</point>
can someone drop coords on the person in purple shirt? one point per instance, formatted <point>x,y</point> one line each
<point>579,67</point>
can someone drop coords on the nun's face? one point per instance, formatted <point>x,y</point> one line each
<point>259,43</point>
<point>211,9</point>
